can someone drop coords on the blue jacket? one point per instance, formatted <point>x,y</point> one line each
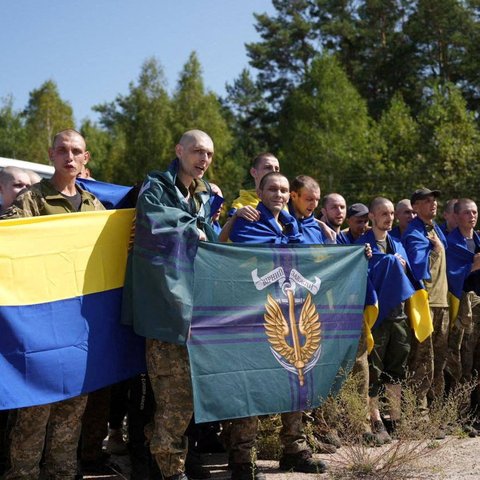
<point>309,228</point>
<point>267,230</point>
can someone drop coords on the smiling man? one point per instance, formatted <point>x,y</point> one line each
<point>275,226</point>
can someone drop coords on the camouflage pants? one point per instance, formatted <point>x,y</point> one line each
<point>428,359</point>
<point>441,326</point>
<point>361,373</point>
<point>59,425</point>
<point>388,359</point>
<point>470,350</point>
<point>243,433</point>
<point>460,352</point>
<point>169,371</point>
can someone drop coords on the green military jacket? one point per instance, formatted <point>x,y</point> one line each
<point>42,199</point>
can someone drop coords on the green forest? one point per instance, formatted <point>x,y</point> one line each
<point>370,97</point>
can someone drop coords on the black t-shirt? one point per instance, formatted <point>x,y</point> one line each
<point>75,200</point>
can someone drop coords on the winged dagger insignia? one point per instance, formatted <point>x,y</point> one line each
<point>301,357</point>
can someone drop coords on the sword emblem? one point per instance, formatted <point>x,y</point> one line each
<point>302,354</point>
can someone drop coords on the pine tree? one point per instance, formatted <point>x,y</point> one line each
<point>45,115</point>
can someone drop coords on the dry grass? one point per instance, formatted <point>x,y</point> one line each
<point>414,437</point>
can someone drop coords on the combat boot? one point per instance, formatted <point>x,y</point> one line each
<point>194,466</point>
<point>177,476</point>
<point>246,471</point>
<point>301,462</point>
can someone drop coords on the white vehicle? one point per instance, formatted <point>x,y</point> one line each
<point>45,171</point>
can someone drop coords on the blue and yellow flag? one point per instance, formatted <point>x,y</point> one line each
<point>61,279</point>
<point>112,196</point>
<point>272,326</point>
<point>459,266</point>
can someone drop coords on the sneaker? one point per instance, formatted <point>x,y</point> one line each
<point>246,471</point>
<point>115,444</point>
<point>379,430</point>
<point>301,462</point>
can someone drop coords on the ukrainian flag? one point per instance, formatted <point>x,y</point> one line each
<point>459,265</point>
<point>61,279</point>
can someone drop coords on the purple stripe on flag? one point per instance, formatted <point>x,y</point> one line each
<point>291,381</point>
<point>240,323</point>
<point>303,393</point>
<point>194,340</point>
<point>214,308</point>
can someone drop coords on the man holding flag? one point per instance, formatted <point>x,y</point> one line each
<point>425,245</point>
<point>391,332</point>
<point>173,215</point>
<point>277,226</point>
<point>51,196</point>
<point>463,265</point>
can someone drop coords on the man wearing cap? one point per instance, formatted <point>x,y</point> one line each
<point>425,245</point>
<point>357,220</point>
<point>404,214</point>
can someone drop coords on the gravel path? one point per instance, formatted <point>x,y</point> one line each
<point>452,459</point>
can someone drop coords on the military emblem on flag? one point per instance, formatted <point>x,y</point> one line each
<point>267,335</point>
<point>295,345</point>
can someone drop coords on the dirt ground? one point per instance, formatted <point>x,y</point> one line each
<point>453,458</point>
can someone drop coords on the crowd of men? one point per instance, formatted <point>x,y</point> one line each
<point>44,439</point>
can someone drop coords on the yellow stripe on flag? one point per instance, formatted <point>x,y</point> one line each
<point>418,311</point>
<point>454,305</point>
<point>370,314</point>
<point>55,257</point>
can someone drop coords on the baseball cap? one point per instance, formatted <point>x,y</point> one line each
<point>422,193</point>
<point>357,210</point>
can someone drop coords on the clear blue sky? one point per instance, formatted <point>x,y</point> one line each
<point>93,49</point>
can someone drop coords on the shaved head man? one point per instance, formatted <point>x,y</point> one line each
<point>449,216</point>
<point>174,204</point>
<point>404,214</point>
<point>334,211</point>
<point>12,181</point>
<point>245,205</point>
